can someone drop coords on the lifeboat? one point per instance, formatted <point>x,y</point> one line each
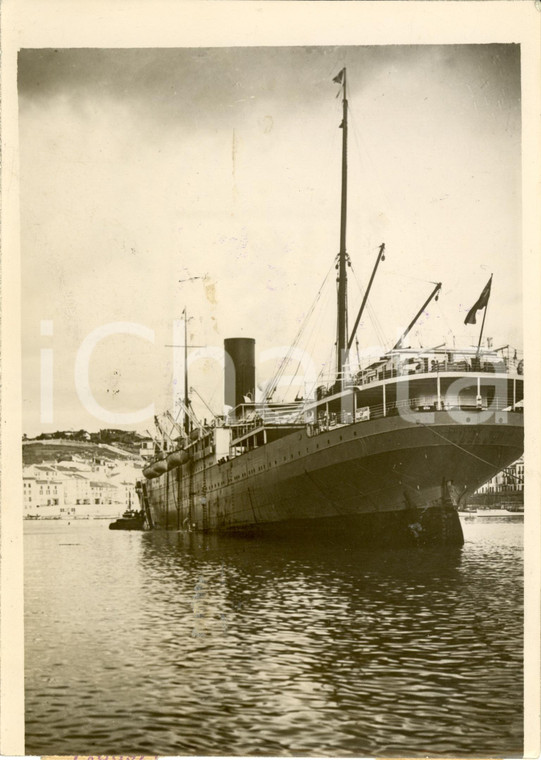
<point>176,458</point>
<point>155,469</point>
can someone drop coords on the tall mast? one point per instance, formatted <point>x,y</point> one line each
<point>186,396</point>
<point>342,279</point>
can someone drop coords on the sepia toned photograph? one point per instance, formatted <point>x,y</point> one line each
<point>273,368</point>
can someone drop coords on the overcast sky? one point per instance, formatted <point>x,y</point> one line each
<point>143,168</point>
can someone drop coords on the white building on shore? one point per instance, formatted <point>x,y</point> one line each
<point>508,481</point>
<point>79,489</point>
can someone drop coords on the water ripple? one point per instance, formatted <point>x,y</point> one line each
<point>179,644</point>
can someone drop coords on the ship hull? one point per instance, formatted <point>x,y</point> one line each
<point>389,480</point>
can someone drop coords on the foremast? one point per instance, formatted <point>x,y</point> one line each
<point>342,294</point>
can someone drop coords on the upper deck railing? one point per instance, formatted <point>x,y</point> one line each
<point>318,417</point>
<point>326,420</point>
<point>418,364</point>
<point>268,414</point>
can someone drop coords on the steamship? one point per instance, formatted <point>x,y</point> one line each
<point>385,454</point>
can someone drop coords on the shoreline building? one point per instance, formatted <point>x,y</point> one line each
<point>79,489</point>
<point>505,489</point>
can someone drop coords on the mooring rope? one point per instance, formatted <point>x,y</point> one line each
<point>475,456</point>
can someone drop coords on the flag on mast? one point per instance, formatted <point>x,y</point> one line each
<point>339,77</point>
<point>481,303</point>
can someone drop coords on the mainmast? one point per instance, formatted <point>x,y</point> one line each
<point>186,392</point>
<point>342,279</point>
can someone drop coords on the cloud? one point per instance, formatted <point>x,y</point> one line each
<point>139,164</point>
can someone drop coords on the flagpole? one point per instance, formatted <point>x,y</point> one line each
<point>482,327</point>
<point>481,333</point>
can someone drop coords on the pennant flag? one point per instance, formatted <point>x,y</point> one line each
<point>481,303</point>
<point>339,77</point>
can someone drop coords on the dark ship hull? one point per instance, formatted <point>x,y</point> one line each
<point>388,480</point>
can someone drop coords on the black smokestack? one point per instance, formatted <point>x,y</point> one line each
<point>239,376</point>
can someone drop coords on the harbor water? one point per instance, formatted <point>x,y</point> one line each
<point>184,644</point>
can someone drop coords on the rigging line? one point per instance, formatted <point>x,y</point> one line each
<point>318,318</point>
<point>315,332</point>
<point>380,332</point>
<point>393,211</point>
<point>367,162</point>
<point>212,392</point>
<point>385,342</point>
<point>444,316</point>
<point>516,478</point>
<point>322,322</point>
<point>330,363</point>
<point>440,435</point>
<point>274,380</point>
<point>325,374</point>
<point>358,282</point>
<point>372,314</point>
<point>271,387</point>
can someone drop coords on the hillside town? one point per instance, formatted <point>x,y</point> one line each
<point>67,478</point>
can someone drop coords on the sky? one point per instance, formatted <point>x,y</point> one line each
<point>154,180</point>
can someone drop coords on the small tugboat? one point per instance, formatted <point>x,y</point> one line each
<point>132,519</point>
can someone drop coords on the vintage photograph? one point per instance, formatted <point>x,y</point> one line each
<point>272,400</point>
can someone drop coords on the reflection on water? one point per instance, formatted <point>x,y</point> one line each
<point>184,644</point>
